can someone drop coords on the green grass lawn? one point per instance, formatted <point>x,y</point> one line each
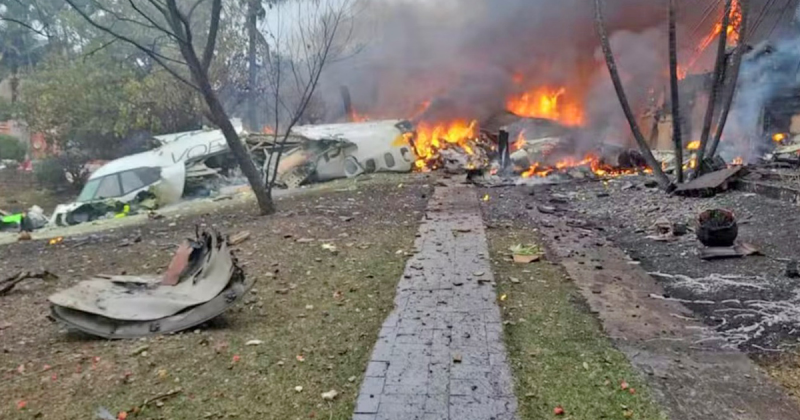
<point>559,354</point>
<point>316,312</point>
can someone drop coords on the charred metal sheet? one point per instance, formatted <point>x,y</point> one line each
<point>129,306</point>
<point>710,184</point>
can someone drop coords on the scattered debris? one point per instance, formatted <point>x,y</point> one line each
<point>546,209</point>
<point>102,413</point>
<point>178,264</point>
<point>158,399</point>
<point>711,183</point>
<point>330,247</point>
<point>525,254</point>
<point>298,389</point>
<point>663,230</point>
<point>239,238</point>
<point>330,395</point>
<point>739,250</point>
<point>132,307</point>
<point>254,343</point>
<point>139,350</point>
<point>8,284</point>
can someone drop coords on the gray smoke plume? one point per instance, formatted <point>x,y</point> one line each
<point>467,56</point>
<point>769,72</point>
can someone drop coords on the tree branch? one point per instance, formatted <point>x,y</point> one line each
<point>152,21</point>
<point>213,29</point>
<point>94,51</point>
<point>152,54</point>
<point>25,25</point>
<point>675,95</point>
<point>662,179</point>
<point>719,69</point>
<point>734,79</point>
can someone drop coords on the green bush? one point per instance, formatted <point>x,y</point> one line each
<point>64,172</point>
<point>11,148</point>
<point>50,173</point>
<point>7,110</point>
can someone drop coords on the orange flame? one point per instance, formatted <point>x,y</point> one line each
<point>779,138</point>
<point>268,130</point>
<point>739,161</point>
<point>520,142</point>
<point>547,103</point>
<point>695,145</point>
<point>591,162</point>
<point>430,138</point>
<point>733,30</point>
<point>356,117</point>
<point>692,163</point>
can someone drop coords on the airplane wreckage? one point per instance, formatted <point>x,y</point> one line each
<point>202,281</point>
<point>193,163</point>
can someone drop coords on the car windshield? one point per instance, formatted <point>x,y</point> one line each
<point>89,190</point>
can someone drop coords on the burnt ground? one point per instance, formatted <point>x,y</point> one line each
<point>750,301</point>
<point>317,313</point>
<point>693,368</point>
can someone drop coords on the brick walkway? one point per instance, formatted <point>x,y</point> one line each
<point>440,353</point>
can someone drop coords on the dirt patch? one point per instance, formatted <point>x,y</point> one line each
<point>315,311</point>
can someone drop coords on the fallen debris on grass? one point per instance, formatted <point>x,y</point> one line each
<point>525,254</point>
<point>8,284</point>
<point>130,306</point>
<point>239,238</point>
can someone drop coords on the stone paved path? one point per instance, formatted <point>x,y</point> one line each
<point>440,354</point>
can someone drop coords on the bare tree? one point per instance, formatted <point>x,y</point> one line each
<point>255,11</point>
<point>661,178</point>
<point>298,56</point>
<point>192,29</point>
<point>719,70</point>
<point>733,80</point>
<point>677,121</point>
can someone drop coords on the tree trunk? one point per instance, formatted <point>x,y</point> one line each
<point>734,79</point>
<point>719,68</point>
<point>677,135</point>
<point>220,118</point>
<point>347,102</point>
<point>14,83</point>
<point>252,35</point>
<point>661,178</point>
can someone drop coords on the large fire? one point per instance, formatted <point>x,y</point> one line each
<point>546,102</point>
<point>591,162</point>
<point>733,38</point>
<point>430,138</point>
